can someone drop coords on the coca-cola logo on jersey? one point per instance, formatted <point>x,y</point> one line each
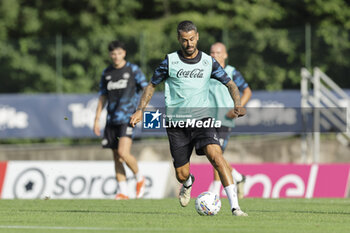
<point>196,73</point>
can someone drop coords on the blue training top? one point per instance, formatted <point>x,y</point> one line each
<point>123,89</point>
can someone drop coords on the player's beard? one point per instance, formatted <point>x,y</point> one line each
<point>187,52</point>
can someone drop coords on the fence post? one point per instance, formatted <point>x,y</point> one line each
<point>59,63</point>
<point>308,46</point>
<point>143,60</point>
<point>304,105</point>
<point>317,106</point>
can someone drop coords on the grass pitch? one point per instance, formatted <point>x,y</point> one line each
<point>84,216</point>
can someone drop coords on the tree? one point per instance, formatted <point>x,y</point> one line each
<point>54,46</point>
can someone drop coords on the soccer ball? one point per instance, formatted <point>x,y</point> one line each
<point>208,203</point>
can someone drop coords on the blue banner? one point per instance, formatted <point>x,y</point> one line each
<point>72,116</point>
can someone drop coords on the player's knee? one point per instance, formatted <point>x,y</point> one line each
<point>213,150</point>
<point>182,175</point>
<point>117,156</point>
<point>122,154</point>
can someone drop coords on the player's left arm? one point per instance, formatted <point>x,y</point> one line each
<point>219,74</point>
<point>243,86</point>
<point>238,110</point>
<point>246,95</point>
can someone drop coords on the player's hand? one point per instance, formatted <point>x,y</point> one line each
<point>136,118</point>
<point>240,111</point>
<point>97,128</point>
<point>236,112</point>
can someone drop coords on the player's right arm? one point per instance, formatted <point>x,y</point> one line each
<point>101,103</point>
<point>160,74</point>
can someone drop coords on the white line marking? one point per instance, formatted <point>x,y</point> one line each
<point>136,229</point>
<point>59,228</point>
<point>114,229</point>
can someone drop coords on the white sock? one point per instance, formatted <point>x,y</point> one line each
<point>231,192</point>
<point>237,176</point>
<point>188,182</point>
<point>215,187</point>
<point>123,187</point>
<point>138,176</point>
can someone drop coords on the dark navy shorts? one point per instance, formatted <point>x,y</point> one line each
<point>223,135</point>
<point>183,140</point>
<point>112,133</point>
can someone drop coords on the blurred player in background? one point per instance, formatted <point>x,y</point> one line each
<point>218,98</point>
<point>121,85</point>
<point>186,74</point>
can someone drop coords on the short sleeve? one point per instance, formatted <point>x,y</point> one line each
<point>103,84</point>
<point>140,78</point>
<point>161,72</point>
<point>219,73</point>
<point>239,80</point>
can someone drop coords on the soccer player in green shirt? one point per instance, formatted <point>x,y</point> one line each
<point>186,74</point>
<point>218,98</point>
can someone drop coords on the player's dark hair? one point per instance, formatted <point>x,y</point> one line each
<point>186,26</point>
<point>115,45</point>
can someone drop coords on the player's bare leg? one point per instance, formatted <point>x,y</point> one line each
<point>120,176</point>
<point>186,179</point>
<point>214,155</point>
<point>124,148</point>
<point>118,166</point>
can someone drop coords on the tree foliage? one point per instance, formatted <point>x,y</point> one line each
<point>53,46</point>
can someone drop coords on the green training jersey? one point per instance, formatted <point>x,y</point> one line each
<point>187,83</point>
<point>220,97</point>
<point>187,88</point>
<point>221,100</point>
